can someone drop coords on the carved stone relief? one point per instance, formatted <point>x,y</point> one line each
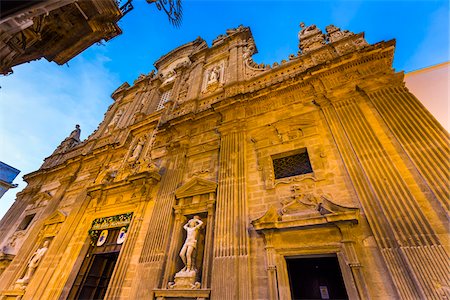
<point>266,140</point>
<point>213,78</point>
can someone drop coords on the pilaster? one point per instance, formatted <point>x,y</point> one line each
<point>154,252</point>
<point>20,262</point>
<point>411,249</point>
<point>230,277</point>
<point>424,140</point>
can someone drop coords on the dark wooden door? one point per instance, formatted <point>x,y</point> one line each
<point>316,278</point>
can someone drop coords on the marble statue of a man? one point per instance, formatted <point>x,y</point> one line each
<point>34,262</point>
<point>192,227</point>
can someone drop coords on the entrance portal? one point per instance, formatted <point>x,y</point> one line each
<point>97,268</point>
<point>317,277</point>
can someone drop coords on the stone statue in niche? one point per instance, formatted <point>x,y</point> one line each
<point>185,278</point>
<point>214,75</point>
<point>33,263</point>
<point>137,150</point>
<point>192,227</point>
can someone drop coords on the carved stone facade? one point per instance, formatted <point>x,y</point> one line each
<point>324,165</point>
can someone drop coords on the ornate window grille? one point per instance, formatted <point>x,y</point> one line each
<point>292,165</point>
<point>164,98</point>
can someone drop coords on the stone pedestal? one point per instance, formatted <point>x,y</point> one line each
<point>185,280</point>
<point>20,285</point>
<point>200,294</point>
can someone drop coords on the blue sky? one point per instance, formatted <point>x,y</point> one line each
<point>41,102</point>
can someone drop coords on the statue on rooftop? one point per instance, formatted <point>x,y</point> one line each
<point>310,38</point>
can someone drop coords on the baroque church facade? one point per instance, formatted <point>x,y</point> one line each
<point>321,177</point>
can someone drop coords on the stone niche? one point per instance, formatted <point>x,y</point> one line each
<point>195,198</point>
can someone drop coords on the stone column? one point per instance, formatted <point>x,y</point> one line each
<point>208,243</point>
<point>271,265</point>
<point>124,259</point>
<point>20,262</point>
<point>231,273</point>
<point>413,253</point>
<point>197,79</point>
<point>234,68</point>
<point>154,252</point>
<point>174,249</point>
<point>424,140</point>
<point>348,245</point>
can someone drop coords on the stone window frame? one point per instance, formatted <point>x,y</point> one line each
<point>26,222</point>
<point>289,154</point>
<point>269,173</point>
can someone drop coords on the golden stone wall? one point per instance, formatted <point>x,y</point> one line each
<point>200,137</point>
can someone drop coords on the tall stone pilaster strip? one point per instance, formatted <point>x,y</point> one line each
<point>196,82</point>
<point>29,246</point>
<point>413,232</point>
<point>420,135</point>
<point>382,232</point>
<point>174,249</point>
<point>154,249</point>
<point>207,260</point>
<point>55,270</point>
<point>230,277</point>
<point>123,261</point>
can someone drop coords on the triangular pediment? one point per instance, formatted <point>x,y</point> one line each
<point>196,186</point>
<point>57,217</point>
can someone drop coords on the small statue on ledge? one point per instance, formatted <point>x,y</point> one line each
<point>71,141</point>
<point>75,134</point>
